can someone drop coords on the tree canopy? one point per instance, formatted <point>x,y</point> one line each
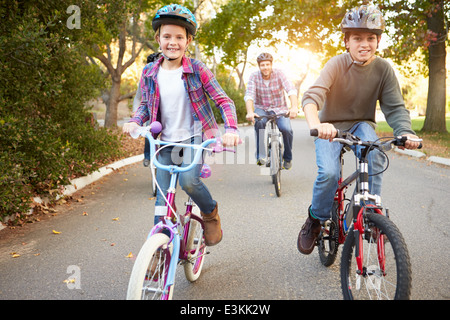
<point>414,26</point>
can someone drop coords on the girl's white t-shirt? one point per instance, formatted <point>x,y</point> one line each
<point>176,117</point>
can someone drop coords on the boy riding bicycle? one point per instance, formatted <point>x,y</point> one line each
<point>346,93</point>
<point>175,92</point>
<point>264,96</point>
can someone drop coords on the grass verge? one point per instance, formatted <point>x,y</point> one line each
<point>434,144</point>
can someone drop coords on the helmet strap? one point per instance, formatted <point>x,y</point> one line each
<point>167,58</point>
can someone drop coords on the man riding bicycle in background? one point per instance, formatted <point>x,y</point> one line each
<point>346,93</point>
<point>265,96</point>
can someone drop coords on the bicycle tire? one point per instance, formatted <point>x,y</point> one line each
<point>197,250</point>
<point>396,283</point>
<point>328,240</point>
<point>276,169</point>
<point>142,282</point>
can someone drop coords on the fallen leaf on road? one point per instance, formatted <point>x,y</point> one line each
<point>116,219</point>
<point>130,255</point>
<point>56,232</point>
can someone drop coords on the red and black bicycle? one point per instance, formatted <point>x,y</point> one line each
<point>375,262</point>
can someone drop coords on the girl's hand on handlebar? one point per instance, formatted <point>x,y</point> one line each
<point>326,131</point>
<point>230,139</point>
<point>129,127</point>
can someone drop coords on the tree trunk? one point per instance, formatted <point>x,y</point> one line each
<point>435,114</point>
<point>113,104</point>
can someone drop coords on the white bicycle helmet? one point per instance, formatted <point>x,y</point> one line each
<point>364,18</point>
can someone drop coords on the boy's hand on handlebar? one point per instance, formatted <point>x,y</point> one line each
<point>326,131</point>
<point>230,139</point>
<point>129,127</point>
<point>410,144</point>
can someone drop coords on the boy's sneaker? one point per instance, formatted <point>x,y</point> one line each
<point>308,235</point>
<point>261,162</point>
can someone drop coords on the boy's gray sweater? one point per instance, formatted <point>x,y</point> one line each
<point>346,92</point>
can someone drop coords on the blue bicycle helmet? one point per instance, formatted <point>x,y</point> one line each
<point>175,14</point>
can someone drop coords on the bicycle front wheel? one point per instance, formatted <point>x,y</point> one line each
<point>196,249</point>
<point>386,273</point>
<point>275,166</point>
<point>149,275</point>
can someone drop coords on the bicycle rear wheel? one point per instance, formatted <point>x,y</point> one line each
<point>377,282</point>
<point>149,275</point>
<point>328,240</point>
<point>196,248</point>
<point>275,166</point>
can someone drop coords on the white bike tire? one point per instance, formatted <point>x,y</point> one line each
<point>135,285</point>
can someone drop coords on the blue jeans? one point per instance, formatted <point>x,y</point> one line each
<point>327,158</point>
<point>284,125</point>
<point>189,181</point>
<point>147,150</point>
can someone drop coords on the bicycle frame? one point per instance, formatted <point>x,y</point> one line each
<point>340,198</point>
<point>361,194</point>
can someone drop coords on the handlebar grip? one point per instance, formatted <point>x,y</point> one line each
<point>315,133</point>
<point>155,127</point>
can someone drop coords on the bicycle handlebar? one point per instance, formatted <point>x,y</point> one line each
<point>273,116</point>
<point>347,138</point>
<point>155,127</point>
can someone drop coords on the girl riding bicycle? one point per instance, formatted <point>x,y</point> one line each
<point>346,93</point>
<point>174,91</point>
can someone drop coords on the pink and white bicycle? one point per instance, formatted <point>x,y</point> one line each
<point>153,274</point>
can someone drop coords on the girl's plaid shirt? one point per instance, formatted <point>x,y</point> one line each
<point>200,83</point>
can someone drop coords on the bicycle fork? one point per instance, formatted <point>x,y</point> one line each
<point>174,238</point>
<point>358,222</point>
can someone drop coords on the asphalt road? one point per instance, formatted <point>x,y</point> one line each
<point>88,255</point>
